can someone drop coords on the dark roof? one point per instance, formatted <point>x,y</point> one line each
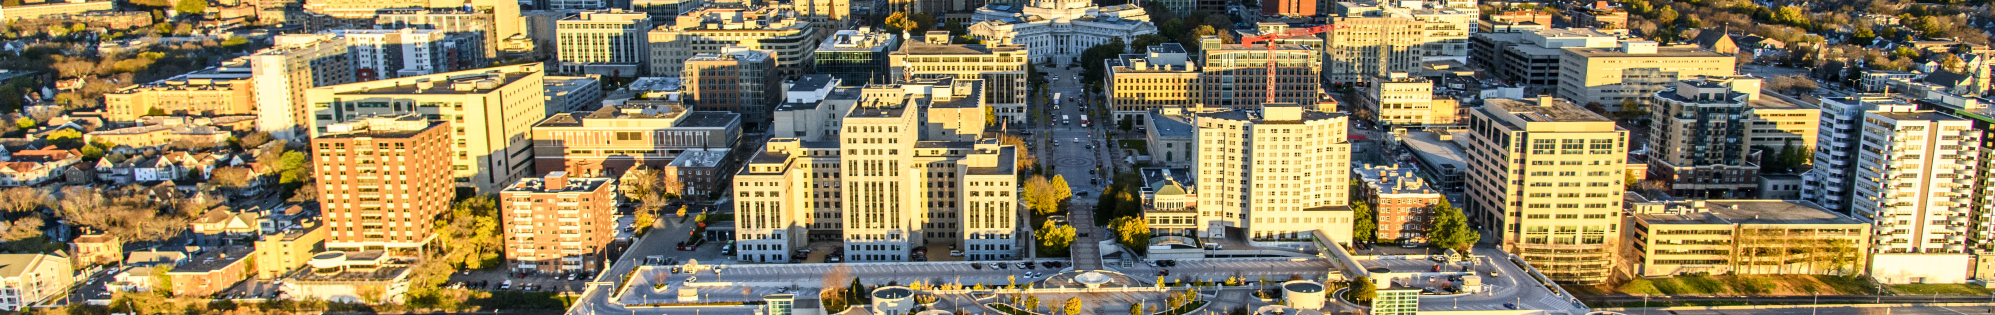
<point>708,119</point>
<point>1710,36</point>
<point>1946,78</point>
<point>811,82</point>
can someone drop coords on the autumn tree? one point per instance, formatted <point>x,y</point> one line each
<point>834,295</point>
<point>1041,196</point>
<point>471,239</point>
<point>1362,291</point>
<point>1132,232</point>
<point>1073,306</point>
<point>1054,239</point>
<point>20,199</point>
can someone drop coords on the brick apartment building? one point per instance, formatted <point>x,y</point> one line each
<point>368,207</point>
<point>557,223</point>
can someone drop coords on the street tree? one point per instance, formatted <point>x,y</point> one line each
<point>1362,291</point>
<point>1073,306</point>
<point>1450,228</point>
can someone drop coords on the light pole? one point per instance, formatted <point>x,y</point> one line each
<point>1814,308</point>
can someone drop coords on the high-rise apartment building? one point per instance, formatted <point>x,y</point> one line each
<point>217,91</point>
<point>457,22</point>
<point>498,19</point>
<point>1634,71</point>
<point>1235,76</point>
<point>1832,181</point>
<point>1706,129</point>
<point>857,57</point>
<point>610,42</point>
<point>1001,68</point>
<point>490,110</point>
<point>908,168</point>
<point>1983,117</point>
<point>282,73</point>
<point>380,54</point>
<point>1547,176</point>
<point>611,140</point>
<point>1165,76</point>
<point>776,29</point>
<point>1281,172</point>
<point>1912,172</point>
<point>558,223</point>
<point>662,12</point>
<point>736,80</point>
<point>382,185</point>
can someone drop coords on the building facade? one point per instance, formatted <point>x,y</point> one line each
<point>1744,237</point>
<point>33,279</point>
<point>1235,76</point>
<point>361,205</point>
<point>1910,170</point>
<point>1401,201</point>
<point>857,57</point>
<point>1531,58</point>
<point>1165,76</point>
<point>219,91</point>
<point>611,140</point>
<point>1281,173</point>
<point>736,80</point>
<point>1001,68</point>
<point>1398,99</point>
<point>1634,71</point>
<point>381,54</point>
<point>1547,176</point>
<point>584,222</point>
<point>490,110</point>
<point>1832,181</point>
<point>792,40</point>
<point>1373,44</point>
<point>283,73</point>
<point>1058,30</point>
<point>613,43</point>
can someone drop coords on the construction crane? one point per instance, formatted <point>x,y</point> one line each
<point>1270,38</point>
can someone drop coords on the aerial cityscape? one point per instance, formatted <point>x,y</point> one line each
<point>997,157</point>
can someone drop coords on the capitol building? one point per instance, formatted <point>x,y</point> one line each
<point>1059,29</point>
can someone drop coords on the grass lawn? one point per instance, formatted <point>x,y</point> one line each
<point>1141,147</point>
<point>1930,289</point>
<point>1748,285</point>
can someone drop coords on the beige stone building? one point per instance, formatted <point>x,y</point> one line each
<point>279,253</point>
<point>1235,76</point>
<point>1281,173</point>
<point>792,38</point>
<point>1547,176</point>
<point>1634,71</point>
<point>1374,45</point>
<point>491,111</point>
<point>54,9</point>
<point>218,91</point>
<point>383,182</point>
<point>1163,77</point>
<point>1399,99</point>
<point>558,223</point>
<point>1000,67</point>
<point>1722,236</point>
<point>611,140</point>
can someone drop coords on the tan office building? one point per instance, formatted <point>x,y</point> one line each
<point>1001,68</point>
<point>220,91</point>
<point>736,80</point>
<point>1236,76</point>
<point>382,182</point>
<point>1634,71</point>
<point>611,140</point>
<point>1163,77</point>
<point>558,223</point>
<point>1368,46</point>
<point>491,111</point>
<point>1743,237</point>
<point>1547,176</point>
<point>791,38</point>
<point>1398,99</point>
<point>1281,173</point>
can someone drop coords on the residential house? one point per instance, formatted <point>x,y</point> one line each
<point>27,280</point>
<point>96,248</point>
<point>224,226</point>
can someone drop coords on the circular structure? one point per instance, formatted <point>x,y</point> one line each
<point>1091,279</point>
<point>332,259</point>
<point>893,300</point>
<point>1303,294</point>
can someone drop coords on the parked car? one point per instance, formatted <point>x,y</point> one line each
<point>955,253</point>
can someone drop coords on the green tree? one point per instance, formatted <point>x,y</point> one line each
<point>1054,239</point>
<point>1132,232</point>
<point>470,237</point>
<point>1127,124</point>
<point>65,138</point>
<point>1665,16</point>
<point>1450,228</point>
<point>1362,291</point>
<point>236,41</point>
<point>195,7</point>
<point>1136,308</point>
<point>1864,35</point>
<point>1366,227</point>
<point>899,22</point>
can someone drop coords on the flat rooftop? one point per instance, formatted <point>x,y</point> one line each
<point>575,184</point>
<point>1154,176</point>
<point>708,119</point>
<point>1560,111</point>
<point>925,48</point>
<point>1752,212</point>
<point>1917,115</point>
<point>810,82</point>
<point>1665,52</point>
<point>700,158</point>
<point>445,87</point>
<point>1171,125</point>
<point>214,260</point>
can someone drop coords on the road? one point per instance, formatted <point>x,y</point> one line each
<point>1826,310</point>
<point>1077,155</point>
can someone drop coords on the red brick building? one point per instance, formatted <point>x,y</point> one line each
<point>557,223</point>
<point>1288,7</point>
<point>384,180</point>
<point>1402,201</point>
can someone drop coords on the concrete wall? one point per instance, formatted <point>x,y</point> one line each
<point>1921,268</point>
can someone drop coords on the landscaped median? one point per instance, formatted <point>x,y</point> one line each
<point>1007,309</point>
<point>1188,308</point>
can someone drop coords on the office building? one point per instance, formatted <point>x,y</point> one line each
<point>663,12</point>
<point>571,94</point>
<point>1001,68</point>
<point>1165,76</point>
<point>1531,58</point>
<point>1398,99</point>
<point>611,43</point>
<point>1439,157</point>
<point>1706,132</point>
<point>1634,71</point>
<point>1374,41</point>
<point>790,39</point>
<point>857,57</point>
<point>1170,136</point>
<point>288,247</point>
<point>1058,30</point>
<point>381,54</point>
<point>211,272</point>
<point>736,80</point>
<point>486,26</point>
<point>1557,207</point>
<point>907,168</point>
<point>1401,201</point>
<point>283,73</point>
<point>218,91</point>
<point>1291,8</point>
<point>33,279</point>
<point>1722,236</point>
<point>1280,172</point>
<point>611,140</point>
<point>490,111</point>
<point>1235,76</point>
<point>369,207</point>
<point>584,213</point>
<point>825,11</point>
<point>1832,181</point>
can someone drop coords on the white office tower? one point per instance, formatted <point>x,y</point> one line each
<point>1914,173</point>
<point>1831,183</point>
<point>1280,172</point>
<point>906,168</point>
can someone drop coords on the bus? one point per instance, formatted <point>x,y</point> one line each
<point>1056,101</point>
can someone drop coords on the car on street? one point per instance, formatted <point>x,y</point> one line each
<point>1163,272</point>
<point>977,266</point>
<point>1509,305</point>
<point>955,253</point>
